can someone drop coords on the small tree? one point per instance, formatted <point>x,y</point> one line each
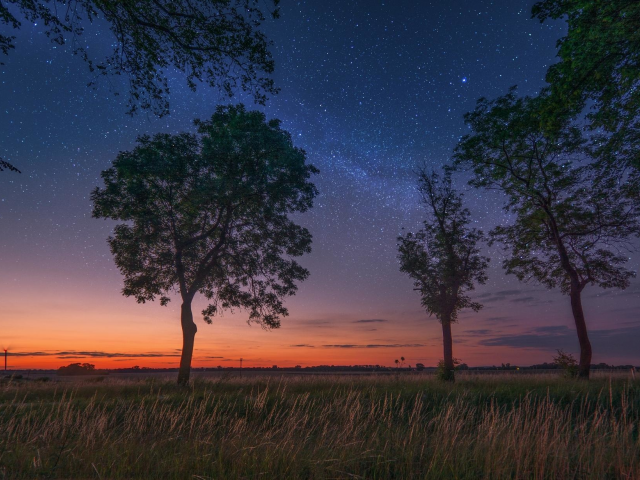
<point>208,214</point>
<point>568,224</point>
<point>443,258</point>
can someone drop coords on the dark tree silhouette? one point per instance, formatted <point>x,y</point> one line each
<point>78,369</point>
<point>4,165</point>
<point>208,214</point>
<point>599,67</point>
<point>568,226</point>
<point>214,41</point>
<point>443,258</point>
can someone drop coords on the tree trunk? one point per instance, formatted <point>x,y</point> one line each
<point>447,342</point>
<point>189,330</point>
<point>581,328</point>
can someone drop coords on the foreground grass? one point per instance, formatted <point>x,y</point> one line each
<point>507,426</point>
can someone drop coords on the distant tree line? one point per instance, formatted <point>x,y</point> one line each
<point>80,369</point>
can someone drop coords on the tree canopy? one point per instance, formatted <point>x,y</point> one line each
<point>208,214</point>
<point>569,225</point>
<point>217,42</point>
<point>443,258</point>
<point>599,68</point>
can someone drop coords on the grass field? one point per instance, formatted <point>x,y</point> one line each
<point>377,427</point>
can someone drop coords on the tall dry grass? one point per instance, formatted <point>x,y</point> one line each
<point>329,427</point>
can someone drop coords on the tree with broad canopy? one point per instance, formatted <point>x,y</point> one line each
<point>571,224</point>
<point>208,213</point>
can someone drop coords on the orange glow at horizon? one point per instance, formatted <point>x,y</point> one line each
<point>48,329</point>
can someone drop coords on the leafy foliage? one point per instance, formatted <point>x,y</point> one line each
<point>568,223</point>
<point>445,374</point>
<point>443,257</point>
<point>599,67</point>
<point>214,41</point>
<point>4,165</point>
<point>566,362</point>
<point>208,213</point>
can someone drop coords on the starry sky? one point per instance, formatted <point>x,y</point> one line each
<point>371,89</point>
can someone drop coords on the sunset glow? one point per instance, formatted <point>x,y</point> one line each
<point>367,116</point>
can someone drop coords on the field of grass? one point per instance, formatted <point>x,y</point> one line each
<point>374,427</point>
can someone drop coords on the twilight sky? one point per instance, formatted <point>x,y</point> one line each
<point>370,89</point>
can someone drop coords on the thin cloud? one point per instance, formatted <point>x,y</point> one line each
<point>93,354</point>
<point>501,295</point>
<point>371,320</point>
<point>497,319</point>
<point>523,299</point>
<point>375,345</point>
<point>479,332</point>
<point>521,296</point>
<point>615,342</point>
<point>509,292</point>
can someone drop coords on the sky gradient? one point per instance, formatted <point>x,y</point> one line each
<point>371,90</point>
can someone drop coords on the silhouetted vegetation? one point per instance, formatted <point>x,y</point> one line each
<point>570,222</point>
<point>443,258</point>
<point>4,165</point>
<point>80,369</point>
<point>566,362</point>
<point>208,214</point>
<point>211,41</point>
<point>598,76</point>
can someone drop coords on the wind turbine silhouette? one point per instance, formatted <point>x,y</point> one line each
<point>6,349</point>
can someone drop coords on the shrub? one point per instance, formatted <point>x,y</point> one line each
<point>447,375</point>
<point>566,362</point>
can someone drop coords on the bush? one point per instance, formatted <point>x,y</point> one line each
<point>566,362</point>
<point>447,375</point>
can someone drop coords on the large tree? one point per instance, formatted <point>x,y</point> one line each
<point>208,214</point>
<point>443,257</point>
<point>599,68</point>
<point>568,226</point>
<point>218,42</point>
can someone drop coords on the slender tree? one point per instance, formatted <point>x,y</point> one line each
<point>443,258</point>
<point>568,227</point>
<point>218,42</point>
<point>208,214</point>
<point>599,67</point>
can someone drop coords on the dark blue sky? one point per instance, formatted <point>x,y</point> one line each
<point>371,90</point>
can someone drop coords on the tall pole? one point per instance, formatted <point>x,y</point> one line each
<point>5,359</point>
<point>240,366</point>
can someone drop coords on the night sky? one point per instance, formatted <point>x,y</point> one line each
<point>371,90</point>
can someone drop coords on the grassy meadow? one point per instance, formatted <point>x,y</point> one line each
<point>364,426</point>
